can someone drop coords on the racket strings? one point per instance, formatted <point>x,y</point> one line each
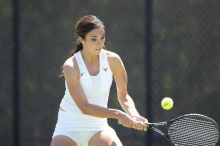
<point>194,134</point>
<point>193,131</point>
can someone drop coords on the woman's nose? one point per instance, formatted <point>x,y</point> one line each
<point>100,42</point>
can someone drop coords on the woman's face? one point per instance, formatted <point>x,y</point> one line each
<point>94,41</point>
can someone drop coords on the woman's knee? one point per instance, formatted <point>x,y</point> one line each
<point>62,140</point>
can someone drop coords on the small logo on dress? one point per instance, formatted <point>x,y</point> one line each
<point>105,69</point>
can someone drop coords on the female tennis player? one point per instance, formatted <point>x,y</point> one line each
<point>88,73</point>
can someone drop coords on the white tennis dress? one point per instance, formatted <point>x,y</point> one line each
<point>96,89</point>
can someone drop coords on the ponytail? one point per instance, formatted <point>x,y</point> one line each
<point>78,47</point>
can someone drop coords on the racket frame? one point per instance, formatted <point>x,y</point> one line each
<point>152,126</point>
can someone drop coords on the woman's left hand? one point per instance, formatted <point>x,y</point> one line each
<point>141,123</point>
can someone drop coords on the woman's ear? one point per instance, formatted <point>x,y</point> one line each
<point>81,39</point>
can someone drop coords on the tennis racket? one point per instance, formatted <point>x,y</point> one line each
<point>189,130</point>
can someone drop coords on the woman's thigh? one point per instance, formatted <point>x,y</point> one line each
<point>61,140</point>
<point>105,138</point>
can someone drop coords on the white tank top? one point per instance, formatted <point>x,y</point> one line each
<point>96,89</point>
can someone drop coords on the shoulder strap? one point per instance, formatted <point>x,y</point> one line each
<point>104,61</point>
<point>80,62</point>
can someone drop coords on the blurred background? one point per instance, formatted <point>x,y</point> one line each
<point>169,48</point>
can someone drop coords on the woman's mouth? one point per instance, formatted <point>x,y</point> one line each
<point>98,49</point>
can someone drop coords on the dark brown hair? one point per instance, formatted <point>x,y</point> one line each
<point>83,26</point>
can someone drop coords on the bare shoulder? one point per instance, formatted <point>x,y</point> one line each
<point>70,66</point>
<point>115,61</point>
<point>69,63</point>
<point>113,57</point>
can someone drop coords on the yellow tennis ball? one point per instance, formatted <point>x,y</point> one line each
<point>167,103</point>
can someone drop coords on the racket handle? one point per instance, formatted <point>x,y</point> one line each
<point>156,124</point>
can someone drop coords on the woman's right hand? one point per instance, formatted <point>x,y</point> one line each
<point>130,122</point>
<point>125,120</point>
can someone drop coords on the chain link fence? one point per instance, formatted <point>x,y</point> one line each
<point>6,116</point>
<point>184,65</point>
<point>185,58</point>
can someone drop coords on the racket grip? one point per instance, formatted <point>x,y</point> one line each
<point>156,124</point>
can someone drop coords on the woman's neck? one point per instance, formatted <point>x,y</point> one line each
<point>89,58</point>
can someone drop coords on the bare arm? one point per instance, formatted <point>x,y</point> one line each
<point>125,100</point>
<point>121,81</point>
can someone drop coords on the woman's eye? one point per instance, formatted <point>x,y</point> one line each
<point>94,39</point>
